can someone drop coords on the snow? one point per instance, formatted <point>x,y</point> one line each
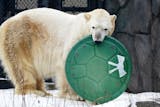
<point>9,99</point>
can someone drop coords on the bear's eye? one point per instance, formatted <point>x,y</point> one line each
<point>93,27</point>
<point>105,29</point>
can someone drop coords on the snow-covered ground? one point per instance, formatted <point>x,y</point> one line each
<point>9,99</point>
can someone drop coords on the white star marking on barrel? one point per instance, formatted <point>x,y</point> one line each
<point>119,66</point>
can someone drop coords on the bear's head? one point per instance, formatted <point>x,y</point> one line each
<point>100,23</point>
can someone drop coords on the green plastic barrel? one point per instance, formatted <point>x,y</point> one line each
<point>98,72</point>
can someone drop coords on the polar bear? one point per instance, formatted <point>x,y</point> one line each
<point>34,45</point>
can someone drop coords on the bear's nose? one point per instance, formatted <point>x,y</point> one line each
<point>98,36</point>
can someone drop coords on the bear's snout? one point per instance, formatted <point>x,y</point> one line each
<point>98,36</point>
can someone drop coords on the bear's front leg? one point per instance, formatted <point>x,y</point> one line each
<point>63,86</point>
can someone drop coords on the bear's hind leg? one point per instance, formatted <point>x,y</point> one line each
<point>31,85</point>
<point>18,59</point>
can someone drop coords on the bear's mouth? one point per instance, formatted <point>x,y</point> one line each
<point>97,42</point>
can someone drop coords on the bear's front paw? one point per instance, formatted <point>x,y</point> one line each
<point>71,96</point>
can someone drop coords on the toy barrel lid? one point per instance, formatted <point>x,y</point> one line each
<point>98,72</point>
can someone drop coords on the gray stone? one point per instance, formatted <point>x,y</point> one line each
<point>156,7</point>
<point>122,2</point>
<point>135,17</point>
<point>147,104</point>
<point>155,32</point>
<point>139,47</point>
<point>112,6</point>
<point>128,42</point>
<point>138,28</point>
<point>144,62</point>
<point>156,70</point>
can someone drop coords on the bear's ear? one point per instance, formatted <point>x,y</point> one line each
<point>114,17</point>
<point>87,16</point>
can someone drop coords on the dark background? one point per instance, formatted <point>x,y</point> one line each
<point>137,27</point>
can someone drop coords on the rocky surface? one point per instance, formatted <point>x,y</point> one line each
<point>138,27</point>
<point>147,104</point>
<point>155,7</point>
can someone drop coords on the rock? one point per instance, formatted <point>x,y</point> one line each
<point>155,31</point>
<point>147,104</point>
<point>122,2</point>
<point>6,84</point>
<point>134,22</point>
<point>139,47</point>
<point>138,28</point>
<point>112,6</point>
<point>156,7</point>
<point>143,62</point>
<point>156,70</point>
<point>128,42</point>
<point>135,17</point>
